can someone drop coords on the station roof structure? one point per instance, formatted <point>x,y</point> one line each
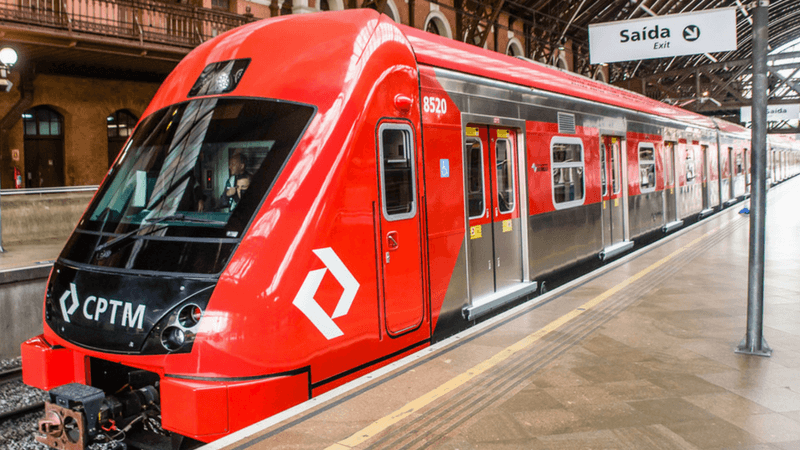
<point>71,41</point>
<point>717,84</point>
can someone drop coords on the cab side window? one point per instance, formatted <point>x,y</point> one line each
<point>398,183</point>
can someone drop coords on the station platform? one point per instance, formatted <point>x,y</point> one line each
<point>637,355</point>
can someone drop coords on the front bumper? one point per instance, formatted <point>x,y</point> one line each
<point>204,409</point>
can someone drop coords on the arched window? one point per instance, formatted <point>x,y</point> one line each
<point>431,27</point>
<point>42,121</point>
<point>514,48</point>
<point>120,125</point>
<point>599,75</point>
<point>330,5</point>
<point>561,62</point>
<point>44,147</point>
<point>390,9</point>
<point>436,23</point>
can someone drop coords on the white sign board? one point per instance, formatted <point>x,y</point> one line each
<point>775,113</point>
<point>663,36</point>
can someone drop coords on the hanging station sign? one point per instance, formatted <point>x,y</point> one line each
<point>775,113</point>
<point>663,36</point>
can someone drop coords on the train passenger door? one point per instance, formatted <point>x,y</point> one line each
<point>401,239</point>
<point>732,174</point>
<point>614,191</point>
<point>670,185</point>
<point>495,240</point>
<point>705,174</point>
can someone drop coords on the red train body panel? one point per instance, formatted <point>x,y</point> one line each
<point>400,185</point>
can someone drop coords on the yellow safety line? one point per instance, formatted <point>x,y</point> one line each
<point>410,408</point>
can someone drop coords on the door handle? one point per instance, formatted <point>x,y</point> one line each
<point>391,240</point>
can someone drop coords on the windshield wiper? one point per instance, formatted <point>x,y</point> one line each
<point>160,220</point>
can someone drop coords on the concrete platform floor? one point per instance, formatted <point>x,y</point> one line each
<point>640,357</point>
<point>17,256</point>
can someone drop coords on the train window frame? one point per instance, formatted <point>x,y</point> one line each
<point>616,168</point>
<point>689,165</point>
<point>648,165</point>
<point>558,166</point>
<point>468,167</point>
<point>410,156</point>
<point>511,182</point>
<point>603,170</point>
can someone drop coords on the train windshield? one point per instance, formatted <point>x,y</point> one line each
<point>190,179</point>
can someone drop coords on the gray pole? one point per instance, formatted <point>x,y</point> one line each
<point>754,342</point>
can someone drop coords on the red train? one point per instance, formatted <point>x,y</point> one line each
<point>287,218</point>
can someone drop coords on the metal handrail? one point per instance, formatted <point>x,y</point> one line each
<point>148,21</point>
<point>48,190</point>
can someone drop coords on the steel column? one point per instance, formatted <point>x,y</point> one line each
<point>754,342</point>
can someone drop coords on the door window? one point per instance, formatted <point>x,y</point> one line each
<point>505,176</point>
<point>475,178</point>
<point>397,168</point>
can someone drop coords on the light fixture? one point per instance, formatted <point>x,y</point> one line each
<point>8,56</point>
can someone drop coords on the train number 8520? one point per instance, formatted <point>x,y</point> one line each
<point>434,105</point>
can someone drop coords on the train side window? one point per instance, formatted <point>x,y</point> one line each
<point>739,164</point>
<point>505,176</point>
<point>568,167</point>
<point>647,167</point>
<point>397,171</point>
<point>475,179</point>
<point>689,165</point>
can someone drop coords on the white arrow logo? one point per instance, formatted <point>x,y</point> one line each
<point>73,292</point>
<point>304,301</point>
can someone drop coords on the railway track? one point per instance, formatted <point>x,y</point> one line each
<point>8,376</point>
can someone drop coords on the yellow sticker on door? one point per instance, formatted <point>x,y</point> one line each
<point>616,202</point>
<point>502,134</point>
<point>475,232</point>
<point>507,226</point>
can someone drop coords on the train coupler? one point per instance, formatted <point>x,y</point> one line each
<point>78,415</point>
<point>70,417</point>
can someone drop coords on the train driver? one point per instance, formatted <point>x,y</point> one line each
<point>236,167</point>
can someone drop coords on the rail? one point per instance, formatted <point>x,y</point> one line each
<point>48,190</point>
<point>145,21</point>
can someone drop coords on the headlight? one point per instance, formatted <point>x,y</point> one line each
<point>175,332</point>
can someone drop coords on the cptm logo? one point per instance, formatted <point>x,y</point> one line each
<point>304,301</point>
<point>95,308</point>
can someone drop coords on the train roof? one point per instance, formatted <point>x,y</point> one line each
<point>453,55</point>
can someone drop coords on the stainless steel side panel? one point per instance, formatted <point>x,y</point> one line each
<point>617,206</point>
<point>481,264</point>
<point>564,237</point>
<point>713,194</point>
<point>508,253</point>
<point>726,189</point>
<point>690,199</point>
<point>646,213</point>
<point>738,186</point>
